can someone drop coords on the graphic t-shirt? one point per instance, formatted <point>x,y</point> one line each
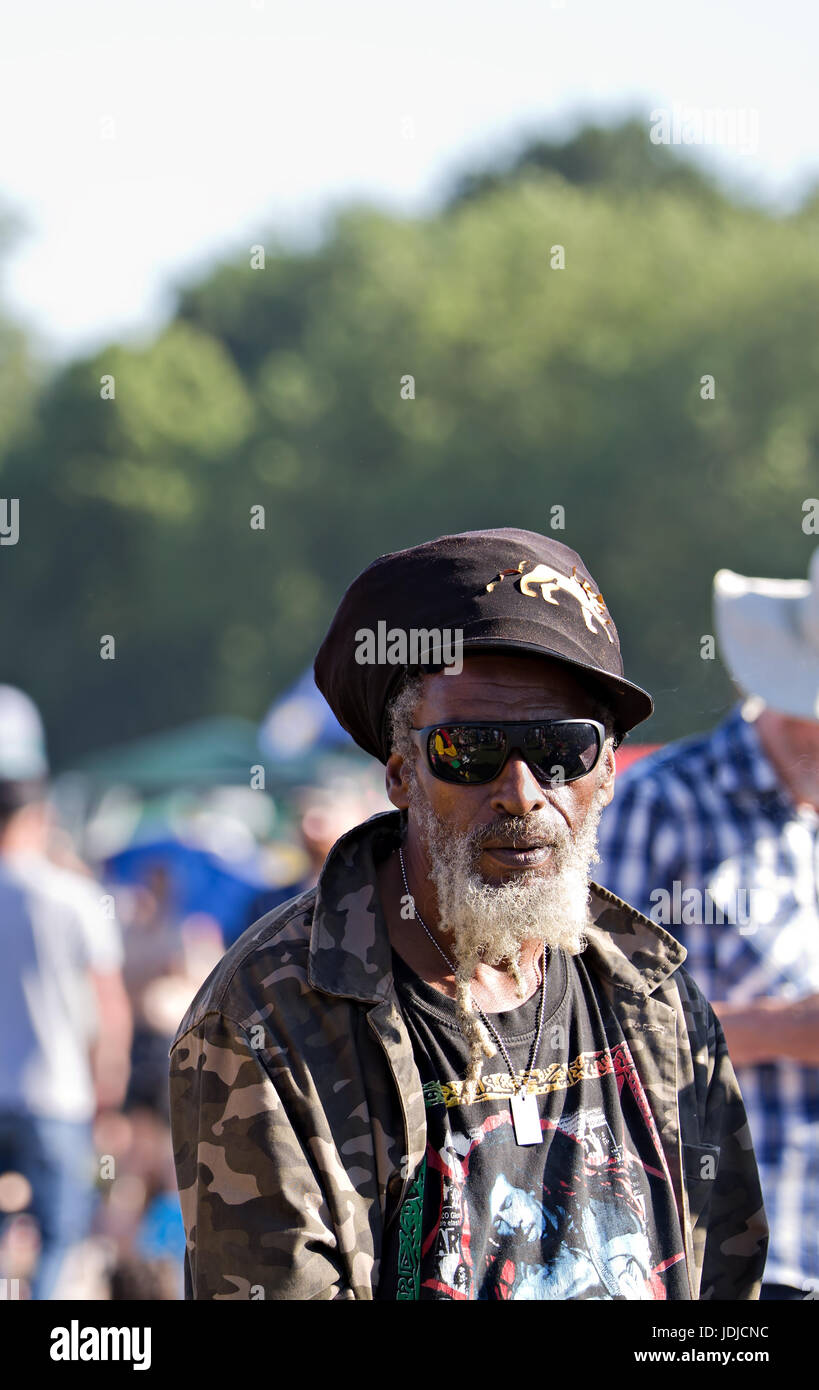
<point>589,1213</point>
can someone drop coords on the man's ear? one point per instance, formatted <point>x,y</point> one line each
<point>396,781</point>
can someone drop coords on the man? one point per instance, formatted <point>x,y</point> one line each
<point>64,1019</point>
<point>718,838</point>
<point>454,1070</point>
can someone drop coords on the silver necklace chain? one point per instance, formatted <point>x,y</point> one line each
<point>498,1039</point>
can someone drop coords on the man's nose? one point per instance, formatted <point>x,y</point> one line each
<point>517,791</point>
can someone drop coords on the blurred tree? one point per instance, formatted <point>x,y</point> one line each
<point>534,387</point>
<point>620,156</point>
<point>18,371</point>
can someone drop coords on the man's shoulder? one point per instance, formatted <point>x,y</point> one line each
<point>40,877</point>
<point>68,905</point>
<point>648,947</point>
<point>631,944</point>
<point>236,986</point>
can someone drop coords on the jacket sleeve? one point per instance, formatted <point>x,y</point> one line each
<point>257,1222</point>
<point>736,1233</point>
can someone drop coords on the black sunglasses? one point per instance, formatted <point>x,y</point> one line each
<point>557,750</point>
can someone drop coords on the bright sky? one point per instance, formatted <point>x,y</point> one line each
<point>144,138</point>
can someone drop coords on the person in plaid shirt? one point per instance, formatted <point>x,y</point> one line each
<point>716,838</point>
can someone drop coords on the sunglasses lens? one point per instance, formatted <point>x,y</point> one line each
<point>558,751</point>
<point>466,752</point>
<point>562,751</point>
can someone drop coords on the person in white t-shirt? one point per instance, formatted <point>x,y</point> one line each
<point>65,1026</point>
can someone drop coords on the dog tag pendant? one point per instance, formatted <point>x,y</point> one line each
<point>525,1118</point>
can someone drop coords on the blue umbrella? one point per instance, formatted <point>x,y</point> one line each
<point>198,880</point>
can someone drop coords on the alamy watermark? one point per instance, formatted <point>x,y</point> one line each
<point>75,1343</point>
<point>9,520</point>
<point>691,907</point>
<point>734,126</point>
<point>414,646</point>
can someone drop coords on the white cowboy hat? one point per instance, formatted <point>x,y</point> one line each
<point>768,632</point>
<point>22,737</point>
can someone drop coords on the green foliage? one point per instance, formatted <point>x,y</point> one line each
<point>534,386</point>
<point>17,370</point>
<point>617,157</point>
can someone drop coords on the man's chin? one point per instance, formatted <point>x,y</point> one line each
<point>545,881</point>
<point>528,905</point>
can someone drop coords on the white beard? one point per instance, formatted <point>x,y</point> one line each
<point>488,923</point>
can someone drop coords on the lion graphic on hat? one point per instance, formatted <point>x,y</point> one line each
<point>548,580</point>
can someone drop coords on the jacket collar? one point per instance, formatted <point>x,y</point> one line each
<point>350,953</point>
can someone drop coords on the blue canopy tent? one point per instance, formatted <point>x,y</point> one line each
<point>301,735</point>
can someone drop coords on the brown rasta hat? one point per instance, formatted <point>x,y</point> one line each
<point>503,589</point>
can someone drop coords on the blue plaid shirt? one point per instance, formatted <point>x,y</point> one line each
<point>703,838</point>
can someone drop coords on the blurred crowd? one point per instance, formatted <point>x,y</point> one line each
<point>716,838</point>
<point>99,965</point>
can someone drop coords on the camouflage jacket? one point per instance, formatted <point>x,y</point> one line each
<point>297,1112</point>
